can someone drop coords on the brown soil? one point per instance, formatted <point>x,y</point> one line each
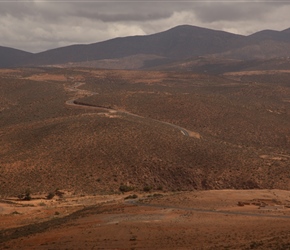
<point>186,220</point>
<point>47,144</point>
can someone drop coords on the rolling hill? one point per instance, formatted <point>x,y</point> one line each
<point>176,43</point>
<point>11,57</point>
<point>91,131</point>
<point>75,140</point>
<point>169,47</point>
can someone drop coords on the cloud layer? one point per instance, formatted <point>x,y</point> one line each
<point>40,25</point>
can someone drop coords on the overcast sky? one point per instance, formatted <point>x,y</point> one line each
<point>40,25</point>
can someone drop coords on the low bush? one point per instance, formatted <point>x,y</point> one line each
<point>125,188</point>
<point>147,188</point>
<point>134,196</point>
<point>50,195</point>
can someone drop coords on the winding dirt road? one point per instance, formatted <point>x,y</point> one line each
<point>74,102</point>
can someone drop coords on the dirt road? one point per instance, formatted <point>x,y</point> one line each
<point>74,102</point>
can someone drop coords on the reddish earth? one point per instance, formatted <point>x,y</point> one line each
<point>243,143</point>
<point>186,220</point>
<point>234,127</point>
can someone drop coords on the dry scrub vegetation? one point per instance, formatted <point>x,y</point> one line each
<point>91,159</point>
<point>47,144</point>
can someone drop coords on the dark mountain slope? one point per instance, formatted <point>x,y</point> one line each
<point>12,57</point>
<point>168,47</point>
<point>281,36</point>
<point>266,44</point>
<point>176,43</point>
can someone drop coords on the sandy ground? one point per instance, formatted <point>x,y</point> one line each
<point>54,77</point>
<point>227,219</point>
<point>256,72</point>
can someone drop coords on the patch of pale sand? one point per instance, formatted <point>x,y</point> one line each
<point>275,158</point>
<point>78,78</point>
<point>47,77</point>
<point>111,116</point>
<point>227,199</point>
<point>194,134</point>
<point>275,111</point>
<point>5,71</point>
<point>256,72</point>
<point>103,114</point>
<point>233,194</point>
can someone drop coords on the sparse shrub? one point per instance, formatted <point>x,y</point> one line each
<point>133,238</point>
<point>15,212</point>
<point>160,188</point>
<point>42,204</point>
<point>134,196</point>
<point>59,193</point>
<point>147,188</point>
<point>50,195</point>
<point>27,196</point>
<point>255,244</point>
<point>125,188</point>
<point>157,195</point>
<point>20,196</point>
<point>56,213</point>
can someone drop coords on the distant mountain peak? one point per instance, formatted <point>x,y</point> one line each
<point>178,43</point>
<point>193,28</point>
<point>187,27</point>
<point>286,30</point>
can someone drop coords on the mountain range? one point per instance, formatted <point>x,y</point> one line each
<point>182,47</point>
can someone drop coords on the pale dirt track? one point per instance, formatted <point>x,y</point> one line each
<point>73,102</point>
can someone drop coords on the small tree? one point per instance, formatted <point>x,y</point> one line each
<point>147,188</point>
<point>27,196</point>
<point>125,188</point>
<point>50,195</point>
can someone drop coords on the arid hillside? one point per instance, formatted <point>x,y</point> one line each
<point>94,131</point>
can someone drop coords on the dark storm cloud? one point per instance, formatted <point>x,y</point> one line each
<point>40,25</point>
<point>122,17</point>
<point>126,11</point>
<point>235,11</point>
<point>15,9</point>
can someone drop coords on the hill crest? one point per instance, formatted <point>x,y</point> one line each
<point>173,45</point>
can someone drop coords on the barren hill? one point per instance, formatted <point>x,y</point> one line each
<point>91,131</point>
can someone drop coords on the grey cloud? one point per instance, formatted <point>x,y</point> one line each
<point>232,11</point>
<point>36,26</point>
<point>16,9</point>
<point>119,17</point>
<point>136,11</point>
